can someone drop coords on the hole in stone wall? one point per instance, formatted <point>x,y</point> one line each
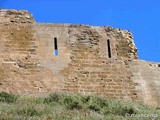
<point>135,94</point>
<point>55,47</point>
<point>109,48</point>
<point>158,65</point>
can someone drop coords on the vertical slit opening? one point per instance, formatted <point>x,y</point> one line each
<point>109,48</point>
<point>55,47</point>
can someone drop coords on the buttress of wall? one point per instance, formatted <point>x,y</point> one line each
<point>147,77</point>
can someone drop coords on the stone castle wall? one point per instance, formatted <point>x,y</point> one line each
<point>86,63</point>
<point>147,77</point>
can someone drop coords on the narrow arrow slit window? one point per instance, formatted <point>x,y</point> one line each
<point>55,47</point>
<point>109,48</point>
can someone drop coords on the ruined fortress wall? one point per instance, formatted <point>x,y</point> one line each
<point>83,64</point>
<point>90,60</point>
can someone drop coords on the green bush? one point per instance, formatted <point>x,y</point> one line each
<point>96,104</point>
<point>30,111</point>
<point>60,106</point>
<point>55,97</point>
<point>157,108</point>
<point>122,111</point>
<point>6,97</point>
<point>72,102</point>
<point>94,107</point>
<point>85,99</point>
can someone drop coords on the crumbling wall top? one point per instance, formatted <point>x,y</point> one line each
<point>15,17</point>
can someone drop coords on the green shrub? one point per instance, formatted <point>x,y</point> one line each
<point>96,104</point>
<point>6,97</point>
<point>72,102</point>
<point>94,107</point>
<point>70,106</point>
<point>30,111</point>
<point>124,110</point>
<point>101,102</point>
<point>55,97</point>
<point>85,99</point>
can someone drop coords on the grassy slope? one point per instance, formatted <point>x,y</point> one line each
<point>69,107</point>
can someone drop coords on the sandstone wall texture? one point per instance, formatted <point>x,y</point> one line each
<point>147,77</point>
<point>92,60</point>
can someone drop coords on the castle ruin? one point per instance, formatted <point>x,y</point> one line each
<point>40,59</point>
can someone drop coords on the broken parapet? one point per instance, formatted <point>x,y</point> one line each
<point>15,16</point>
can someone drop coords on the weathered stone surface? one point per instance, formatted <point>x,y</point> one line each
<point>147,77</point>
<point>28,64</point>
<point>15,17</point>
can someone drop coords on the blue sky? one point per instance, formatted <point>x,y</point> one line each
<point>141,17</point>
